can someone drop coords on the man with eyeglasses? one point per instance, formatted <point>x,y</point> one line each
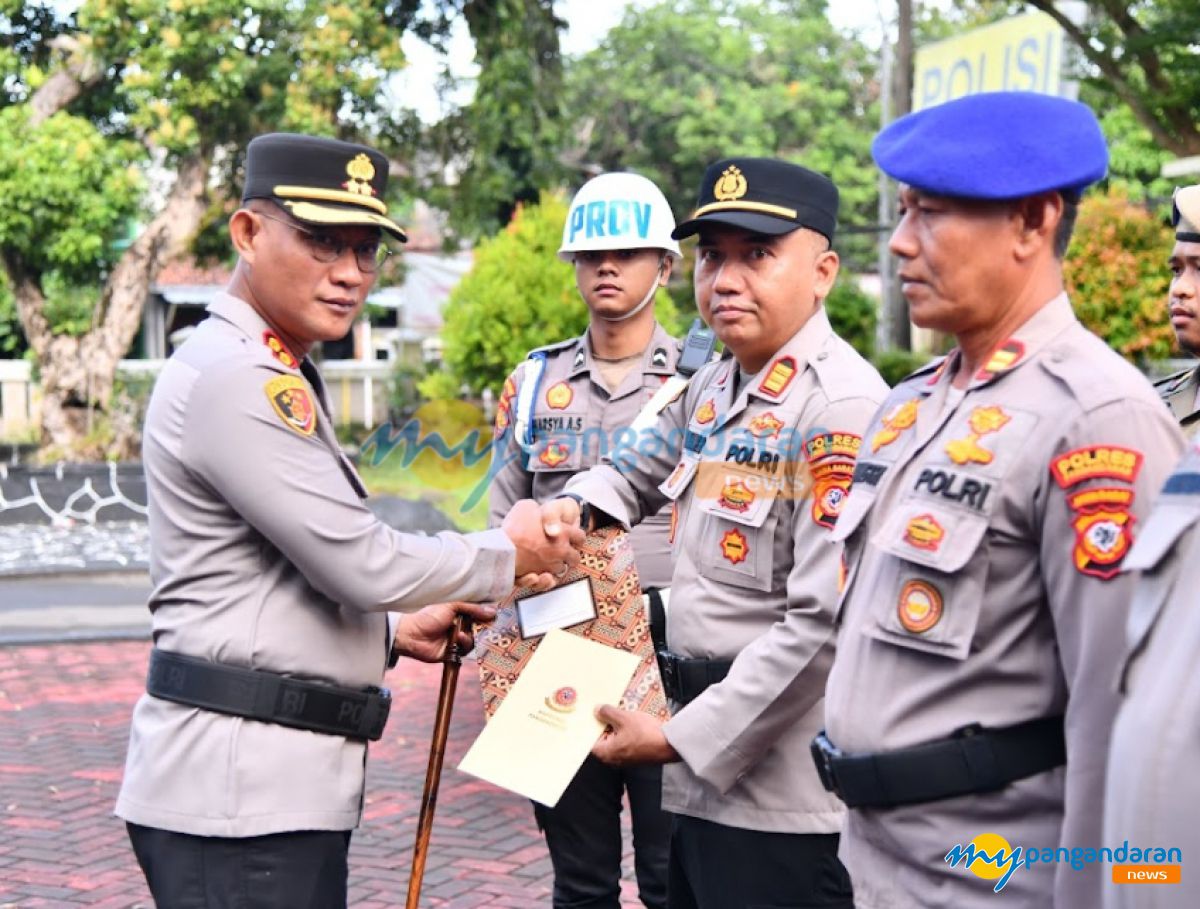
<point>279,599</point>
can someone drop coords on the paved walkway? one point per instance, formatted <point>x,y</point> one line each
<point>64,713</point>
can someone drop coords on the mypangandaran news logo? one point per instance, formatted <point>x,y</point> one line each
<point>989,856</point>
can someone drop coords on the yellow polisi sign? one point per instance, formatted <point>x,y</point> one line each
<point>1022,53</point>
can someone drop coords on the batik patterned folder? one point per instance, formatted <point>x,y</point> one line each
<point>621,622</point>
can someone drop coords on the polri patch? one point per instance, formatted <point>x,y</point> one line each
<point>291,399</point>
<point>895,421</point>
<point>1094,461</point>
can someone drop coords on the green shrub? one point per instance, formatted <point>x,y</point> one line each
<point>853,314</point>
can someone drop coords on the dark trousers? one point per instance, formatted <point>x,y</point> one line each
<point>302,870</point>
<point>719,867</point>
<point>583,833</point>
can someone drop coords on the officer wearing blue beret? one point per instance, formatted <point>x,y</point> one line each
<point>996,496</point>
<point>278,596</point>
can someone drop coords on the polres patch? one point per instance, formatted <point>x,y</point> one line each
<point>293,402</point>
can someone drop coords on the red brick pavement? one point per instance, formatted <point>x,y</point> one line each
<point>64,714</point>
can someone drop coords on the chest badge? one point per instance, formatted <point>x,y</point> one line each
<point>983,420</point>
<point>554,454</point>
<point>559,395</point>
<point>924,532</point>
<point>920,606</point>
<point>897,420</point>
<point>766,426</point>
<point>292,401</point>
<point>736,496</point>
<point>706,412</point>
<point>734,546</point>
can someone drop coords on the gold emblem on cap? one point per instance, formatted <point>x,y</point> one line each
<point>361,171</point>
<point>730,185</point>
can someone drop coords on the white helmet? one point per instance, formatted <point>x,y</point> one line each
<point>618,211</point>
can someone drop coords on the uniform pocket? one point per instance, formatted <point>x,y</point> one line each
<point>928,588</point>
<point>556,452</point>
<point>736,553</point>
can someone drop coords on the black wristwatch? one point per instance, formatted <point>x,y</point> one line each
<point>585,509</point>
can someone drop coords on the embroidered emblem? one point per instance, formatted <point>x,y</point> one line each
<point>1002,359</point>
<point>829,444</point>
<point>734,546</point>
<point>292,400</point>
<point>736,496</point>
<point>765,426</point>
<point>983,420</point>
<point>554,454</point>
<point>780,376</point>
<point>1096,461</point>
<point>278,350</point>
<point>1099,497</point>
<point>504,408</point>
<point>659,357</point>
<point>924,532</point>
<point>706,412</point>
<point>730,185</point>
<point>831,486</point>
<point>564,700</point>
<point>559,395</point>
<point>897,420</point>
<point>1102,538</point>
<point>361,171</point>
<point>580,359</point>
<point>502,419</point>
<point>920,606</point>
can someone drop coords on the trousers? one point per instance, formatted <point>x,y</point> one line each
<point>302,870</point>
<point>583,833</point>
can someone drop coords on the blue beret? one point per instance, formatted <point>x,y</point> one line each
<point>995,145</point>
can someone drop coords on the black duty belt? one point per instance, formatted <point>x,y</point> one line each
<point>973,759</point>
<point>269,697</point>
<point>684,679</point>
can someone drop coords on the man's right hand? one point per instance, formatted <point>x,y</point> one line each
<point>545,539</point>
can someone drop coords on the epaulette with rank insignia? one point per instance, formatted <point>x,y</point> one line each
<point>1172,383</point>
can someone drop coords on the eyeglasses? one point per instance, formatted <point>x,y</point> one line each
<point>327,248</point>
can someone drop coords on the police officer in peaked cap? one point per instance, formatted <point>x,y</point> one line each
<point>760,451</point>
<point>279,599</point>
<point>995,501</point>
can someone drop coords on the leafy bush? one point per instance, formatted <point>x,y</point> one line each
<point>894,365</point>
<point>1117,277</point>
<point>853,314</point>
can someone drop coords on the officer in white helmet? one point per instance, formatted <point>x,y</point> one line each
<point>562,408</point>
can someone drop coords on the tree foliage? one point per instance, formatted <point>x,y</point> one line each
<point>1144,55</point>
<point>517,296</point>
<point>1117,276</point>
<point>677,86</point>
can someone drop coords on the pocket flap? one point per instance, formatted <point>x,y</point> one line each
<point>1167,523</point>
<point>940,538</point>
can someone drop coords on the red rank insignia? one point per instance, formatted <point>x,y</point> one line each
<point>279,350</point>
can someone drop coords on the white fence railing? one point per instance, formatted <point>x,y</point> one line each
<point>358,392</point>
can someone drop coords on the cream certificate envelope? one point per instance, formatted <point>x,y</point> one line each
<point>540,735</point>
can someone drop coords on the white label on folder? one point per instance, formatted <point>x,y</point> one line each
<point>558,608</point>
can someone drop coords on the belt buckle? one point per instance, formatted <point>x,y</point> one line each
<point>668,668</point>
<point>823,754</point>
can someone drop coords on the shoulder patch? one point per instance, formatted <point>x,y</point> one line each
<point>1096,461</point>
<point>293,402</point>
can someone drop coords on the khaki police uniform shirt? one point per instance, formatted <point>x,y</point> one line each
<point>1153,794</point>
<point>757,472</point>
<point>984,541</point>
<point>263,556</point>
<point>1178,392</point>
<point>575,421</point>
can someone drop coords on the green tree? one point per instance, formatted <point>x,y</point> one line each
<point>126,88</point>
<point>676,86</point>
<point>1144,55</point>
<point>1117,277</point>
<point>517,296</point>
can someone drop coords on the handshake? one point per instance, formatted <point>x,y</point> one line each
<point>546,537</point>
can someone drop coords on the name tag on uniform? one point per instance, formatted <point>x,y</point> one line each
<point>561,607</point>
